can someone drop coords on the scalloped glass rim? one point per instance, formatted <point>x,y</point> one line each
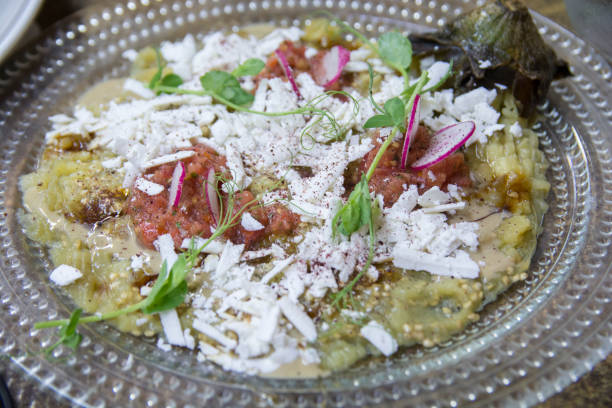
<point>532,342</point>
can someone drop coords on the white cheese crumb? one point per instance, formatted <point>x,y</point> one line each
<point>213,247</point>
<point>189,339</point>
<point>65,274</point>
<point>302,322</point>
<point>161,344</point>
<point>113,163</point>
<point>169,158</point>
<point>172,327</point>
<point>137,88</point>
<point>145,290</point>
<point>214,334</point>
<point>516,130</point>
<point>210,263</point>
<point>165,245</point>
<point>444,207</point>
<point>309,356</point>
<point>376,334</point>
<point>278,267</point>
<point>458,266</point>
<point>249,222</point>
<point>432,197</point>
<point>148,187</point>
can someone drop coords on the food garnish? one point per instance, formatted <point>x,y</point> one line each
<point>176,185</point>
<point>413,125</point>
<point>333,63</point>
<point>443,143</point>
<point>497,43</point>
<point>288,71</point>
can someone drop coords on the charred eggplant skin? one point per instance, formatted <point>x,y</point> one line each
<point>497,43</point>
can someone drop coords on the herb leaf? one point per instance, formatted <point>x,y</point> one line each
<point>395,108</point>
<point>356,212</point>
<point>216,81</point>
<point>393,115</point>
<point>68,334</point>
<point>170,288</point>
<point>226,86</point>
<point>172,80</point>
<point>250,67</point>
<point>395,49</point>
<point>377,121</point>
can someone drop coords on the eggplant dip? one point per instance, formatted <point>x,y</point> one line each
<point>285,202</point>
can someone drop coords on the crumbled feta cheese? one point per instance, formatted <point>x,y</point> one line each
<point>249,222</point>
<point>376,334</point>
<point>137,87</point>
<point>148,187</point>
<point>432,197</point>
<point>172,327</point>
<point>214,334</point>
<point>458,266</point>
<point>64,275</point>
<point>210,263</point>
<point>213,247</point>
<point>278,267</point>
<point>161,344</point>
<point>516,130</point>
<point>165,245</point>
<point>169,158</point>
<point>302,322</point>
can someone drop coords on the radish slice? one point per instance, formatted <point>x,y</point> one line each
<point>288,72</point>
<point>333,64</point>
<point>212,199</point>
<point>413,125</point>
<point>176,185</point>
<point>445,142</point>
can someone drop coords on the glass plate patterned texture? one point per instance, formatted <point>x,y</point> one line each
<point>537,338</point>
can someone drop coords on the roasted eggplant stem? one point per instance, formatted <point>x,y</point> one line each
<point>497,43</point>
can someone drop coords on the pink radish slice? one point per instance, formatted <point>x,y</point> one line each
<point>413,125</point>
<point>176,185</point>
<point>288,72</point>
<point>333,64</point>
<point>445,142</point>
<point>212,199</point>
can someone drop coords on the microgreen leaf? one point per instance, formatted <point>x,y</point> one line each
<point>216,81</point>
<point>395,108</point>
<point>172,80</point>
<point>395,49</point>
<point>226,86</point>
<point>170,288</point>
<point>68,334</point>
<point>356,212</point>
<point>377,121</point>
<point>250,67</point>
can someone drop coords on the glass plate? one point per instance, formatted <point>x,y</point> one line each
<point>537,338</point>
